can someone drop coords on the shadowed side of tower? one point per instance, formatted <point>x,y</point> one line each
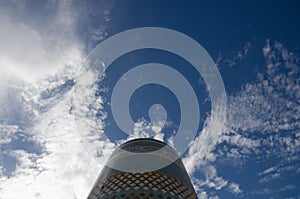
<point>141,169</point>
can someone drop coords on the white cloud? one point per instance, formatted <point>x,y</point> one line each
<point>145,129</point>
<point>63,170</point>
<point>202,195</point>
<point>268,178</point>
<point>288,187</point>
<point>28,53</point>
<point>210,179</point>
<point>268,106</point>
<point>263,191</point>
<point>267,171</point>
<point>7,133</point>
<point>202,147</point>
<point>39,59</point>
<point>231,59</point>
<point>235,188</point>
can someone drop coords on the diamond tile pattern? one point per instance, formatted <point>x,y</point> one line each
<point>146,185</point>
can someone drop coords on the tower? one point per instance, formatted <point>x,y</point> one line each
<point>142,169</point>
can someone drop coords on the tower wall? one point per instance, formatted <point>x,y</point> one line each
<point>138,177</point>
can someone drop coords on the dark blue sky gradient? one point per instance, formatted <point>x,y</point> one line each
<point>221,27</point>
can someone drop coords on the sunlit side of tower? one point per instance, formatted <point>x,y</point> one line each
<point>132,174</point>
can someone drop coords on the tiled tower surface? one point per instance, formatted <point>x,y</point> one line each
<point>137,179</point>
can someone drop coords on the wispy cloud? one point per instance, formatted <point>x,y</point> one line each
<point>64,169</point>
<point>31,49</point>
<point>288,187</point>
<point>231,59</point>
<point>235,188</point>
<point>38,67</point>
<point>262,119</point>
<point>41,51</point>
<point>268,107</point>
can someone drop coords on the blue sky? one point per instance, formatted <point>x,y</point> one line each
<point>56,123</point>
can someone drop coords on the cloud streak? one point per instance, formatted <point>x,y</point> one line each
<point>262,119</point>
<point>40,59</point>
<point>41,51</point>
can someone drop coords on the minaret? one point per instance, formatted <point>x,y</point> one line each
<point>142,169</point>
